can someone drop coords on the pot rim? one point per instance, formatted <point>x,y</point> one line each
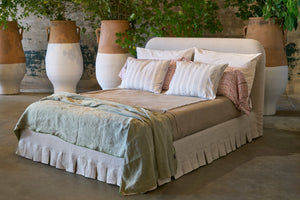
<point>272,20</point>
<point>11,24</point>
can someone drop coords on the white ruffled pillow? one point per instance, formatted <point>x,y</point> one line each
<point>143,53</point>
<point>145,74</point>
<point>196,79</point>
<point>246,63</point>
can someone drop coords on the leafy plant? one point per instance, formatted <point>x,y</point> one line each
<point>9,12</point>
<point>52,9</point>
<point>286,11</point>
<point>108,9</point>
<point>160,18</point>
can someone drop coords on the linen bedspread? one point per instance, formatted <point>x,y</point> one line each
<point>142,138</point>
<point>186,112</point>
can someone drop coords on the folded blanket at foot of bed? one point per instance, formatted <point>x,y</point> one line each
<point>142,138</point>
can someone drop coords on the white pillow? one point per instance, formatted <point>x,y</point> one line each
<point>246,63</point>
<point>145,74</point>
<point>196,79</point>
<point>143,53</point>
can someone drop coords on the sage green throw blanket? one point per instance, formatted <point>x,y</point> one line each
<point>142,138</point>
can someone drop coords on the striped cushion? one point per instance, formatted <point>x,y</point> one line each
<point>145,74</point>
<point>196,79</point>
<point>169,75</point>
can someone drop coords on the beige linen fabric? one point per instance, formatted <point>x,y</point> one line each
<point>186,112</point>
<point>144,99</point>
<point>145,74</point>
<point>196,79</point>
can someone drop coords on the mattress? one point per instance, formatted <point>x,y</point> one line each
<point>186,112</point>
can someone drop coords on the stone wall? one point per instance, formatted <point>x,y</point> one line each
<point>293,55</point>
<point>35,46</point>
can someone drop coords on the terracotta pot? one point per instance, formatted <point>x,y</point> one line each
<point>111,56</point>
<point>271,36</point>
<point>11,49</point>
<point>106,36</point>
<point>63,32</point>
<point>12,59</point>
<point>64,62</point>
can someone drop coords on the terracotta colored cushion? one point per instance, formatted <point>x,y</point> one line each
<point>170,73</point>
<point>233,85</point>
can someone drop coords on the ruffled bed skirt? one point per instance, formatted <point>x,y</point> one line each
<point>204,147</point>
<point>192,151</point>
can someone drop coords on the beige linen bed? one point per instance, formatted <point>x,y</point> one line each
<point>205,130</point>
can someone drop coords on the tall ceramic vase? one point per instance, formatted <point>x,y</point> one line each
<point>12,59</point>
<point>64,63</point>
<point>272,37</point>
<point>111,56</point>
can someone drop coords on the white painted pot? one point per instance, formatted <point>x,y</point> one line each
<point>108,67</point>
<point>11,76</point>
<point>276,79</point>
<point>64,66</point>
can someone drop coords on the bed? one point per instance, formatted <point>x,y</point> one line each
<point>205,130</point>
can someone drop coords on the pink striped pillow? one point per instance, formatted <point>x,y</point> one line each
<point>170,73</point>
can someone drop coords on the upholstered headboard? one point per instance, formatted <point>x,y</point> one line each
<point>233,45</point>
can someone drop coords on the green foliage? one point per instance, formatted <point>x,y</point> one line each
<point>286,11</point>
<point>9,12</point>
<point>108,9</point>
<point>52,9</point>
<point>194,17</point>
<point>160,18</point>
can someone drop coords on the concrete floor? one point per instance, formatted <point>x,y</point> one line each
<point>267,168</point>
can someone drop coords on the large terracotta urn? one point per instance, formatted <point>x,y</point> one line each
<point>111,56</point>
<point>271,35</point>
<point>64,62</point>
<point>12,59</point>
